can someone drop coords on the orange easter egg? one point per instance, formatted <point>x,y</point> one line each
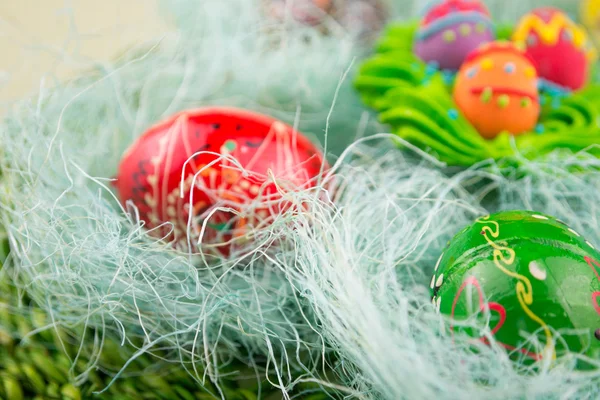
<point>496,90</point>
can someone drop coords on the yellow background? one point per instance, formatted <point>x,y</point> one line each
<point>53,39</point>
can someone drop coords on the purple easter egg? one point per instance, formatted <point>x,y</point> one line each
<point>451,30</point>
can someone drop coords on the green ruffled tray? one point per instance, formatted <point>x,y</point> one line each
<point>40,366</point>
<point>415,100</point>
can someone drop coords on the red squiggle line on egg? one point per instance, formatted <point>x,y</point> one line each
<point>472,281</point>
<point>595,302</point>
<point>593,264</point>
<point>497,47</point>
<point>506,90</point>
<point>452,6</point>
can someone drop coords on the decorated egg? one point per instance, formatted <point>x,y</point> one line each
<point>496,90</point>
<point>523,273</point>
<point>560,49</point>
<point>198,169</point>
<point>364,18</point>
<point>310,12</point>
<point>450,30</point>
<point>590,16</point>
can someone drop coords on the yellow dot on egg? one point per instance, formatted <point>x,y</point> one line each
<point>503,101</point>
<point>530,72</point>
<point>480,28</point>
<point>449,36</point>
<point>487,64</point>
<point>465,29</point>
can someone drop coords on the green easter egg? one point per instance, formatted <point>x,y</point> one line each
<point>525,274</point>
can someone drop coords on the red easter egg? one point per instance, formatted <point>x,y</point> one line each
<point>561,49</point>
<point>184,169</point>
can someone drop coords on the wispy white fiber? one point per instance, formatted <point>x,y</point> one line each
<point>335,290</point>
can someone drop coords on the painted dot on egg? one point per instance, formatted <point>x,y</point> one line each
<point>433,66</point>
<point>487,64</point>
<point>537,271</point>
<point>531,40</point>
<point>453,114</point>
<point>448,77</point>
<point>510,67</point>
<point>229,145</point>
<point>530,72</point>
<point>471,72</point>
<point>503,101</point>
<point>526,102</point>
<point>465,29</point>
<point>480,28</point>
<point>449,36</point>
<point>171,211</point>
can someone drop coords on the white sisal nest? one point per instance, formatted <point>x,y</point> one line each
<point>334,294</point>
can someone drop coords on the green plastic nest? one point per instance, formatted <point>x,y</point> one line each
<point>39,361</point>
<point>416,101</point>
